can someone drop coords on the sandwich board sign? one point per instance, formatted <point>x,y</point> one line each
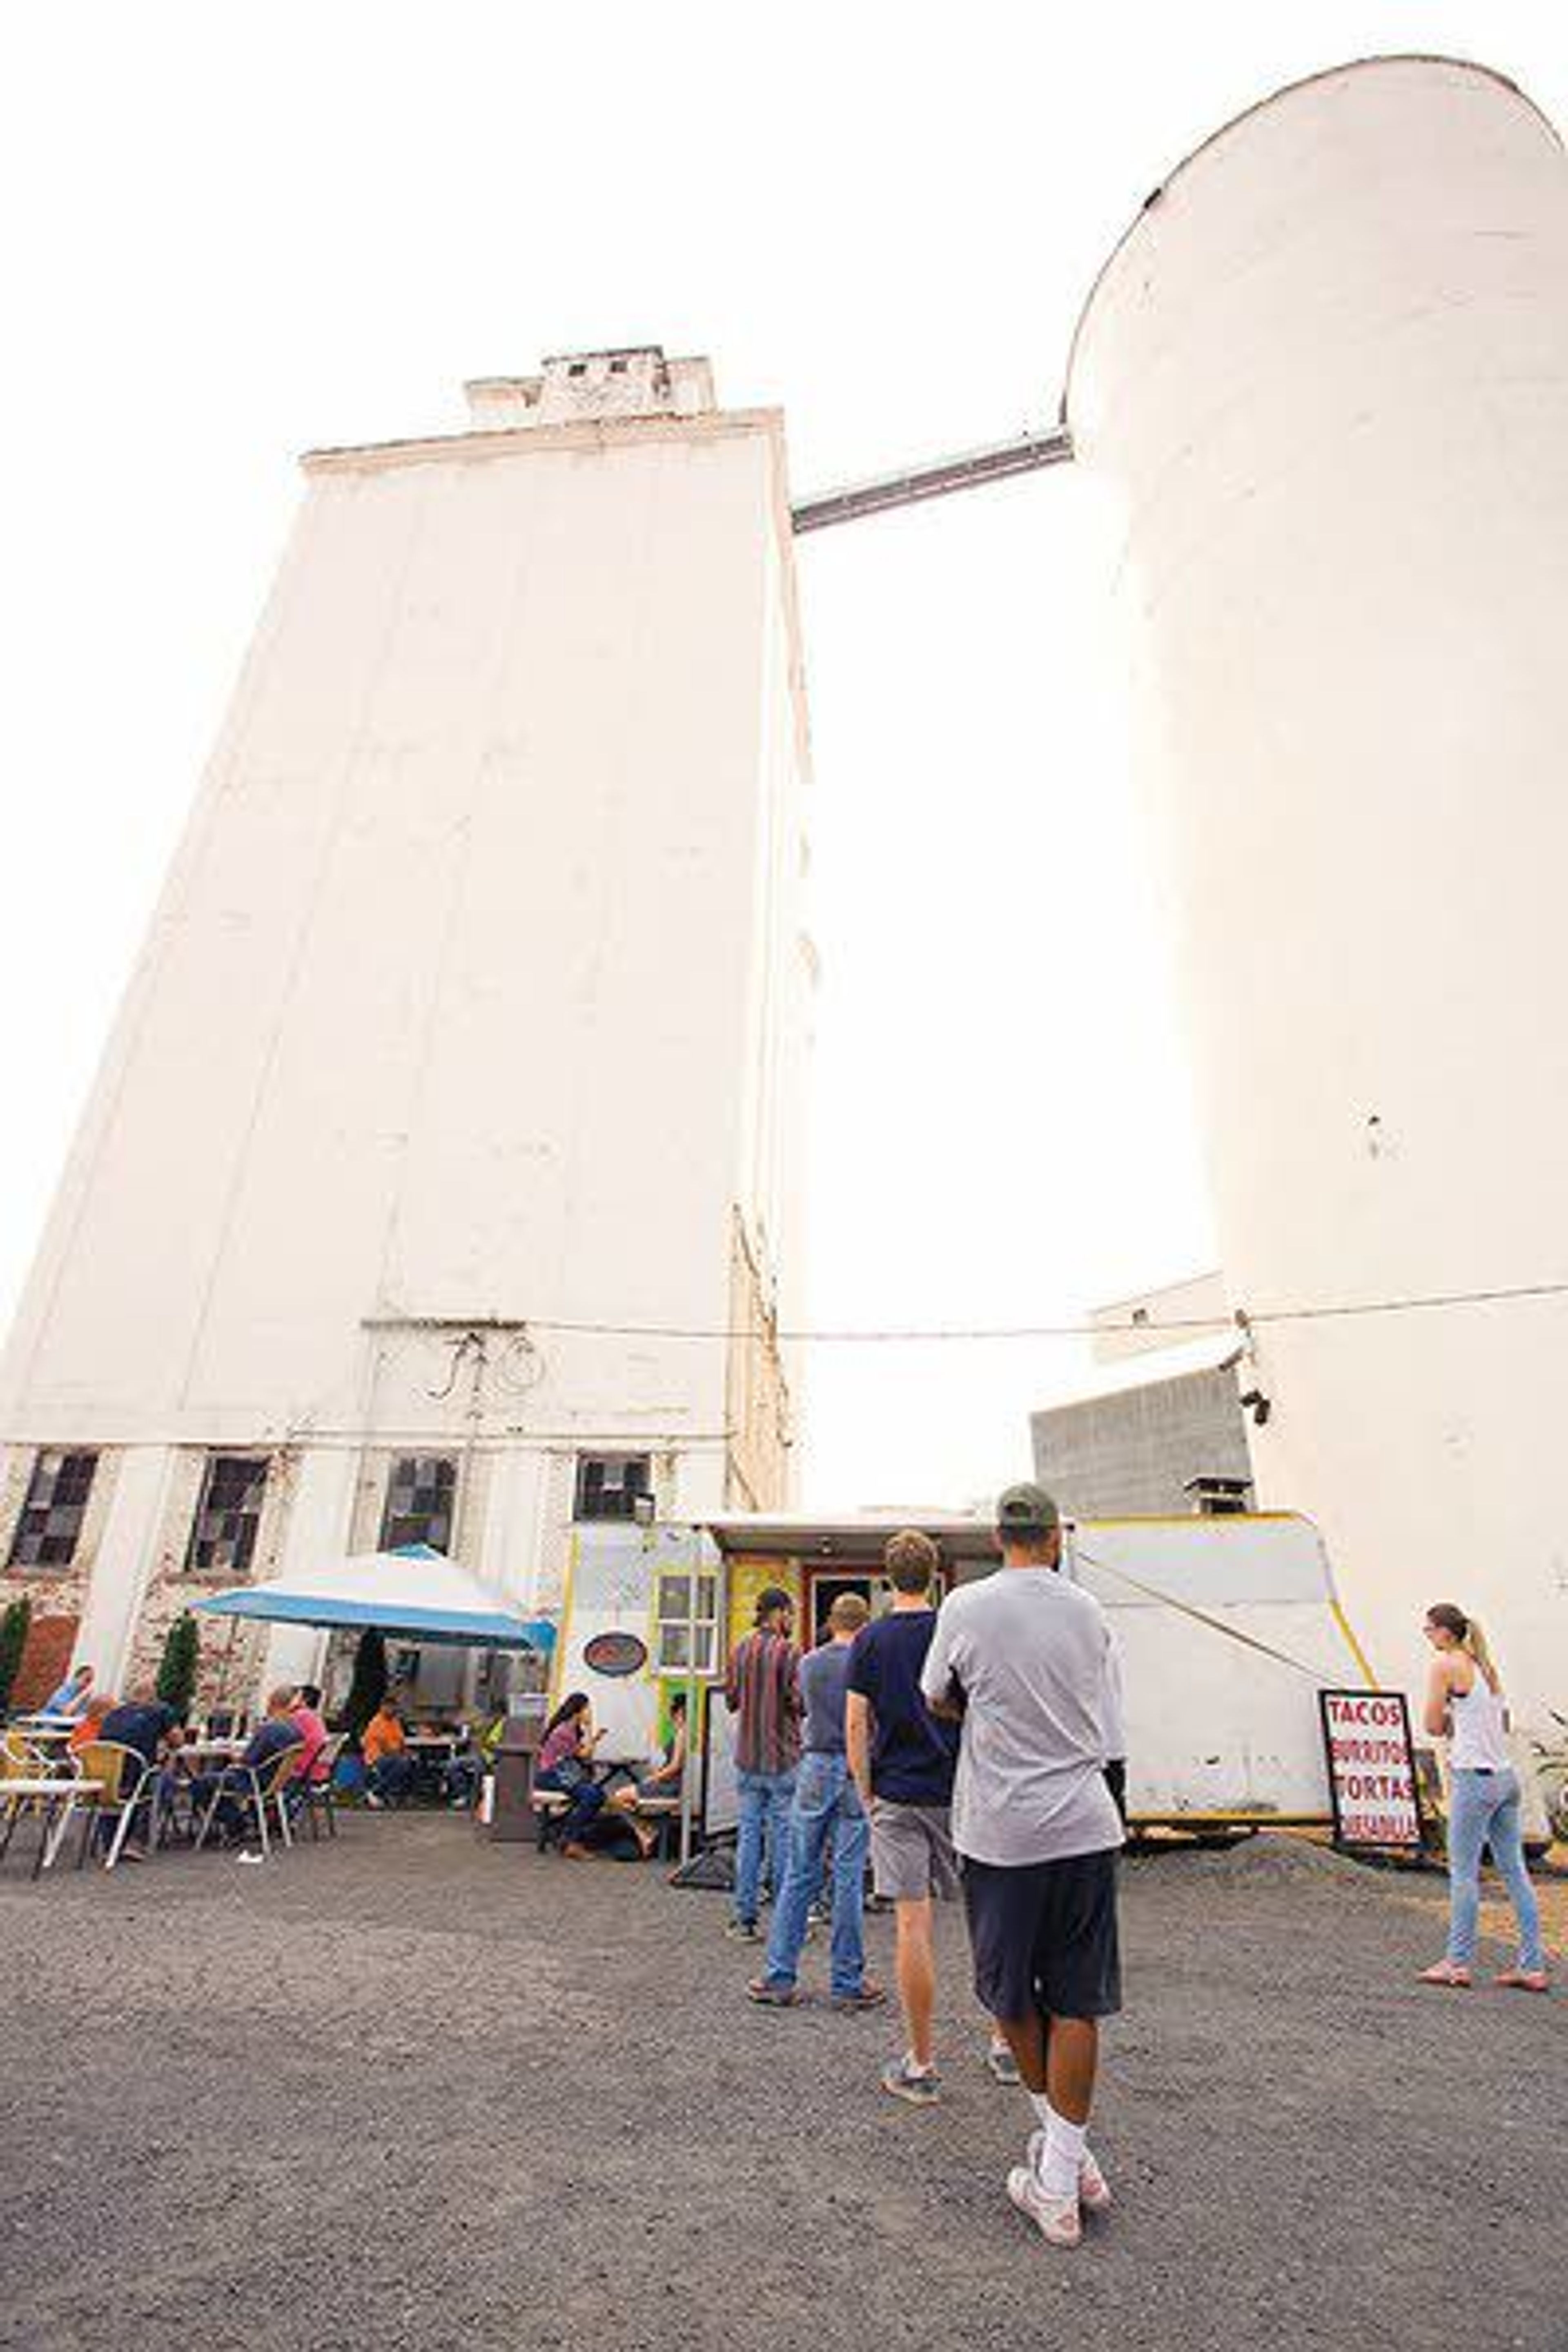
<point>1371,1768</point>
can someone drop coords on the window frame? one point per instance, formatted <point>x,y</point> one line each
<point>63,1455</point>
<point>237,1571</point>
<point>701,1660</point>
<point>388,1541</point>
<point>586,1464</point>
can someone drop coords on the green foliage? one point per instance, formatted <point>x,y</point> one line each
<point>177,1673</point>
<point>368,1688</point>
<point>13,1627</point>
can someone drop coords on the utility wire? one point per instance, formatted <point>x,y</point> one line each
<point>1242,1322</point>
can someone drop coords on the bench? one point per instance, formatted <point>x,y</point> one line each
<point>662,1813</point>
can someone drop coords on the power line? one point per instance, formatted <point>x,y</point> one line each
<point>1241,1322</point>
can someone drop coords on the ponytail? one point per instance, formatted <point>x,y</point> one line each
<point>1474,1646</point>
<point>1467,1631</point>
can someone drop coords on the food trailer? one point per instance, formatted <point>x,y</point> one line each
<point>1228,1627</point>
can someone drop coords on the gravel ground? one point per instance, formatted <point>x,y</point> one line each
<point>412,2089</point>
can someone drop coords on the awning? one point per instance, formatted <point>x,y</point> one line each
<point>415,1592</point>
<point>855,1537</point>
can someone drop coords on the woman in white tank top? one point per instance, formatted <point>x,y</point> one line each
<point>1465,1706</point>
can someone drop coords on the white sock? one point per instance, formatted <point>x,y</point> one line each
<point>1063,2157</point>
<point>1044,2113</point>
<point>913,2066</point>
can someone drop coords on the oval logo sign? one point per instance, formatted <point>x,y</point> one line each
<point>615,1653</point>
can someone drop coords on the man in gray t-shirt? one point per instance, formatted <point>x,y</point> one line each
<point>1023,1660</point>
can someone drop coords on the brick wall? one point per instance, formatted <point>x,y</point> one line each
<point>55,1592</point>
<point>232,1652</point>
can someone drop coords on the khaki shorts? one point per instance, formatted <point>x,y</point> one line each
<point>911,1851</point>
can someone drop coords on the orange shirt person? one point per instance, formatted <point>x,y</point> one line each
<point>90,1725</point>
<point>389,1768</point>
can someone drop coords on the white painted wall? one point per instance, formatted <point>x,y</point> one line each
<point>1324,383</point>
<point>466,994</point>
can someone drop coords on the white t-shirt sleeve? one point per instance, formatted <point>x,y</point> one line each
<point>936,1675</point>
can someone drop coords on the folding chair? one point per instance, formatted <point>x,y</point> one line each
<point>255,1789</point>
<point>127,1783</point>
<point>315,1798</point>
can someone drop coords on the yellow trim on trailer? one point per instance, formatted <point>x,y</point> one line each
<point>558,1661</point>
<point>1357,1653</point>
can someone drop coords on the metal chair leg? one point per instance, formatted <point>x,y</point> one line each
<point>53,1838</point>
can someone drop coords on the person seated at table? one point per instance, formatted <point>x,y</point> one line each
<point>467,1769</point>
<point>143,1723</point>
<point>566,1763</point>
<point>70,1699</point>
<point>666,1778</point>
<point>88,1725</point>
<point>312,1767</point>
<point>390,1770</point>
<point>276,1733</point>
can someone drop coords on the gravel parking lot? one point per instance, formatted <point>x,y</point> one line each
<point>414,2089</point>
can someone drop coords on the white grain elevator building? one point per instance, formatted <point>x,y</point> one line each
<point>472,1020</point>
<point>1324,381</point>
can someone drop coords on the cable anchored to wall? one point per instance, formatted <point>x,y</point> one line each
<point>1176,1326</point>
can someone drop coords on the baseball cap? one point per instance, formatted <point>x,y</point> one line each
<point>1025,1510</point>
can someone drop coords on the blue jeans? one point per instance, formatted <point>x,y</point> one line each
<point>827,1805</point>
<point>764,1813</point>
<point>391,1778</point>
<point>587,1800</point>
<point>1483,1810</point>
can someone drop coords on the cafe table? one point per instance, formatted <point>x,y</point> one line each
<point>53,1796</point>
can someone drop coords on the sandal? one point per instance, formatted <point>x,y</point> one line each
<point>1447,1973</point>
<point>1524,1979</point>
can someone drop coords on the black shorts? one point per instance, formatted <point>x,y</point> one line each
<point>1044,1937</point>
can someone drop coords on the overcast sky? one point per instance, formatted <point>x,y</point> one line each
<point>238,232</point>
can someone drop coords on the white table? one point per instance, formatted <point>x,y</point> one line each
<point>53,1795</point>
<point>217,1751</point>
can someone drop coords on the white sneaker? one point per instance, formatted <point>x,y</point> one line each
<point>1093,2188</point>
<point>1056,2218</point>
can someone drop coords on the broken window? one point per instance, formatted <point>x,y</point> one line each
<point>51,1518</point>
<point>608,1484</point>
<point>223,1533</point>
<point>420,1495</point>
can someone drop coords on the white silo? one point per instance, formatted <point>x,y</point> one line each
<point>1326,378</point>
<point>461,1075</point>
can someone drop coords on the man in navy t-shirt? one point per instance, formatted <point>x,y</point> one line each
<point>903,1758</point>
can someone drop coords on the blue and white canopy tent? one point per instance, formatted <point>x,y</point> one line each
<point>414,1592</point>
